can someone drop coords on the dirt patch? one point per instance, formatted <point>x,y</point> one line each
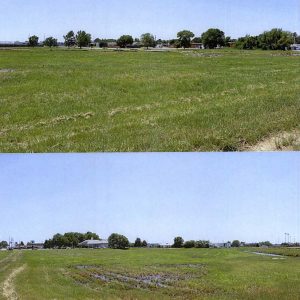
<point>209,55</point>
<point>50,122</point>
<point>6,70</point>
<point>151,277</point>
<point>285,141</point>
<point>8,285</point>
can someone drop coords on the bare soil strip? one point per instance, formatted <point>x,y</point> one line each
<point>284,141</point>
<point>8,285</point>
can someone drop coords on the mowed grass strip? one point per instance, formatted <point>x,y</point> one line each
<point>94,101</point>
<point>157,274</point>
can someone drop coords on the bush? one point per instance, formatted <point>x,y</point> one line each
<point>118,241</point>
<point>189,244</point>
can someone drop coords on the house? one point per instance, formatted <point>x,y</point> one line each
<point>154,245</point>
<point>220,245</point>
<point>197,46</point>
<point>35,246</point>
<point>295,47</point>
<point>94,244</point>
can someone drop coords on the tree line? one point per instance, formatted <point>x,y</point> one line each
<point>275,39</point>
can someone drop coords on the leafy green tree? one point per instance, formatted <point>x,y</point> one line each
<point>91,236</point>
<point>70,39</point>
<point>197,40</point>
<point>236,244</point>
<point>3,244</point>
<point>69,239</point>
<point>213,38</point>
<point>247,43</point>
<point>117,241</point>
<point>83,39</point>
<point>184,38</point>
<point>33,41</point>
<point>50,42</point>
<point>189,244</point>
<point>178,242</point>
<point>275,39</point>
<point>144,244</point>
<point>202,244</point>
<point>148,40</point>
<point>227,41</point>
<point>266,243</point>
<point>175,43</point>
<point>124,41</point>
<point>138,243</point>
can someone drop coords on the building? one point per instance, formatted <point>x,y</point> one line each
<point>94,244</point>
<point>154,245</point>
<point>295,47</point>
<point>220,245</point>
<point>197,46</point>
<point>35,246</point>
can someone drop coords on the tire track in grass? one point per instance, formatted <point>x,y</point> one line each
<point>8,290</point>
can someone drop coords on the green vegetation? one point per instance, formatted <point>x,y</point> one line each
<point>118,241</point>
<point>295,252</point>
<point>86,101</point>
<point>50,42</point>
<point>213,38</point>
<point>149,274</point>
<point>275,39</point>
<point>69,239</point>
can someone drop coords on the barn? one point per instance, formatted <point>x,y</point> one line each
<point>94,244</point>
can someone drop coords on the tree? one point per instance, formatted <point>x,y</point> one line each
<point>189,244</point>
<point>3,244</point>
<point>266,243</point>
<point>178,242</point>
<point>124,41</point>
<point>197,40</point>
<point>175,43</point>
<point>184,38</point>
<point>138,243</point>
<point>91,236</point>
<point>248,42</point>
<point>83,39</point>
<point>33,41</point>
<point>148,40</point>
<point>202,244</point>
<point>213,38</point>
<point>276,39</point>
<point>50,42</point>
<point>117,241</point>
<point>236,244</point>
<point>144,244</point>
<point>69,239</point>
<point>70,39</point>
<point>227,41</point>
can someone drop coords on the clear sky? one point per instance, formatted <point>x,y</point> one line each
<point>164,18</point>
<point>220,197</point>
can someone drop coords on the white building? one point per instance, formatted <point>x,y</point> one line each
<point>94,244</point>
<point>220,245</point>
<point>295,47</point>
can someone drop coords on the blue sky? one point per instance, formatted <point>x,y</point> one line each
<point>251,197</point>
<point>164,18</point>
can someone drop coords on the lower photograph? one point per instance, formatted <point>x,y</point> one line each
<point>150,226</point>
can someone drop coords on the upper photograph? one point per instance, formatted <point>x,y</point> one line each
<point>149,76</point>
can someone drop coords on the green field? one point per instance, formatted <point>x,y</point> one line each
<point>94,101</point>
<point>148,274</point>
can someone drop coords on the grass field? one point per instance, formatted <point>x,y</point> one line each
<point>148,274</point>
<point>91,101</point>
<point>295,252</point>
